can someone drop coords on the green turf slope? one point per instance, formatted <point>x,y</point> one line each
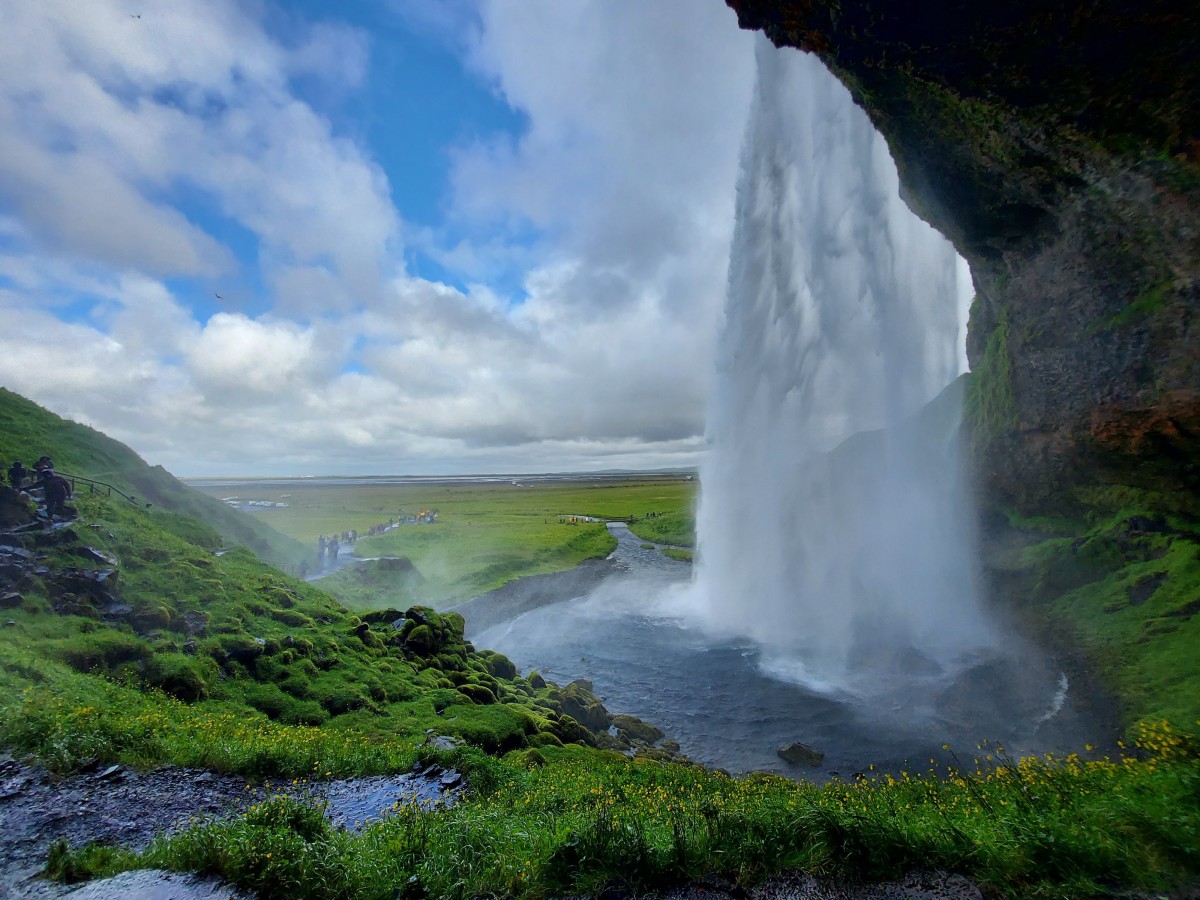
<point>27,431</point>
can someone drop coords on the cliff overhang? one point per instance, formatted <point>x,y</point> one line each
<point>1058,147</point>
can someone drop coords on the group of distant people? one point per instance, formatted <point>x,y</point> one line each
<point>328,546</point>
<point>55,489</point>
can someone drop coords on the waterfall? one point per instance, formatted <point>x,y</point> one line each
<point>833,523</point>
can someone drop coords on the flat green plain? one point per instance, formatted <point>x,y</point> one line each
<point>486,534</point>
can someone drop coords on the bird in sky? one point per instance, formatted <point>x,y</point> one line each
<point>218,296</point>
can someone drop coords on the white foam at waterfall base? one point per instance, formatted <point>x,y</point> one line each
<point>844,318</point>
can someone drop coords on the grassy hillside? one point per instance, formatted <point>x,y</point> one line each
<point>27,431</point>
<point>1118,577</point>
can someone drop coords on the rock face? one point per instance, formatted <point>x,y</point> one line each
<point>1058,147</point>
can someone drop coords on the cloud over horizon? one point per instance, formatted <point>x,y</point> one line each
<point>204,254</point>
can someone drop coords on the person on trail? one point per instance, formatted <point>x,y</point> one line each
<point>43,464</point>
<point>17,474</point>
<point>57,489</point>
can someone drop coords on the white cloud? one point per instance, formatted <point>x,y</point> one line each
<point>348,363</point>
<point>106,117</point>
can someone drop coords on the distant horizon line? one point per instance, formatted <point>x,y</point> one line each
<point>667,470</point>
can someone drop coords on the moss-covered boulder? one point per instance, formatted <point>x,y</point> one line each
<point>477,693</point>
<point>631,728</point>
<point>498,664</point>
<point>578,702</point>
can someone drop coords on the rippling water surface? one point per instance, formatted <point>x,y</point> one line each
<point>712,696</point>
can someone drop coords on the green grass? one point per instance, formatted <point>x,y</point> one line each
<point>229,648</point>
<point>27,431</point>
<point>570,822</point>
<point>486,534</point>
<point>677,527</point>
<point>1120,580</point>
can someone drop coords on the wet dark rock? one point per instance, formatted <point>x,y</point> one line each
<point>155,884</point>
<point>191,622</point>
<point>797,886</point>
<point>56,534</point>
<point>92,555</point>
<point>12,572</point>
<point>801,753</point>
<point>110,773</point>
<point>70,605</point>
<point>15,508</point>
<point>11,600</point>
<point>1144,588</point>
<point>606,741</point>
<point>451,779</point>
<point>417,614</point>
<point>10,624</point>
<point>536,681</point>
<point>97,583</point>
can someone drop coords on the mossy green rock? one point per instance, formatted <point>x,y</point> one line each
<point>578,702</point>
<point>499,665</point>
<point>477,693</point>
<point>634,729</point>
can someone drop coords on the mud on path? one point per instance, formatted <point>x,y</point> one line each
<point>117,805</point>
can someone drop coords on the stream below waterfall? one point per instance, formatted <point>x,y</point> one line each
<point>714,698</point>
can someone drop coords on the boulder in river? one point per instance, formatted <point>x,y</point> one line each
<point>801,753</point>
<point>631,728</point>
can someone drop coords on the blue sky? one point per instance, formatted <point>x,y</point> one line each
<point>378,236</point>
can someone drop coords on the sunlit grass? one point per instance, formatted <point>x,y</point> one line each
<point>486,534</point>
<point>68,721</point>
<point>576,821</point>
<point>322,509</point>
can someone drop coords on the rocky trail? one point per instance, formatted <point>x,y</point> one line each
<point>121,806</point>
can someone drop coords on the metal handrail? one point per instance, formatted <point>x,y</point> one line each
<point>95,487</point>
